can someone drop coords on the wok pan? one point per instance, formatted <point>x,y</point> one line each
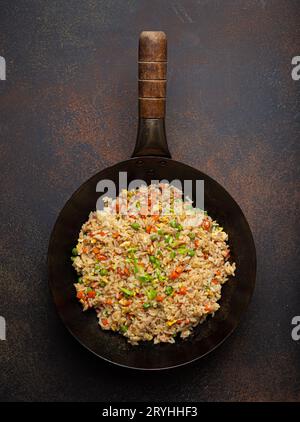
<point>151,159</point>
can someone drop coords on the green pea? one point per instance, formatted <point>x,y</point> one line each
<point>135,226</point>
<point>123,329</point>
<point>191,252</point>
<point>146,305</point>
<point>103,271</point>
<point>74,252</point>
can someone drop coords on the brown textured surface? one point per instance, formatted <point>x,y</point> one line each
<point>68,109</point>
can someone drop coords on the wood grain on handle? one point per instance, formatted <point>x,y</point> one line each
<point>152,74</point>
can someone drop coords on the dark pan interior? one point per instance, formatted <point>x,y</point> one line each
<point>236,292</point>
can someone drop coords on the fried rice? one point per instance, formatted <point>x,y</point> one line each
<point>154,272</point>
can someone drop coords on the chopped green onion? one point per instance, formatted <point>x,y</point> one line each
<point>173,224</point>
<point>151,294</point>
<point>152,259</point>
<point>102,283</point>
<point>182,251</point>
<point>138,205</point>
<point>192,235</point>
<point>135,226</point>
<point>177,235</point>
<point>146,305</point>
<point>123,329</point>
<point>172,254</point>
<point>80,280</point>
<point>145,278</point>
<point>153,237</point>
<point>72,258</point>
<point>168,238</point>
<point>74,252</point>
<point>179,227</point>
<point>160,276</point>
<point>160,232</point>
<point>169,290</point>
<point>138,269</point>
<point>127,292</point>
<point>97,267</point>
<point>131,250</point>
<point>191,252</point>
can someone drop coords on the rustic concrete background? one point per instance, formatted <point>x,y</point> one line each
<point>68,109</point>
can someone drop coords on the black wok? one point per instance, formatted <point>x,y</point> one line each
<point>151,160</point>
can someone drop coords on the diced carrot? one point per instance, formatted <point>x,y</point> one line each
<point>179,269</point>
<point>126,271</point>
<point>155,217</point>
<point>102,233</point>
<point>215,281</point>
<point>117,206</point>
<point>96,250</point>
<point>182,290</point>
<point>101,257</point>
<point>218,272</point>
<point>159,298</point>
<point>115,235</point>
<point>207,308</point>
<point>91,294</point>
<point>205,224</point>
<point>205,255</point>
<point>104,321</point>
<point>174,275</point>
<point>196,243</point>
<point>85,250</point>
<point>148,229</point>
<point>80,295</point>
<point>109,302</point>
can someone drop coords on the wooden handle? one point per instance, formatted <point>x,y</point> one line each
<point>152,74</point>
